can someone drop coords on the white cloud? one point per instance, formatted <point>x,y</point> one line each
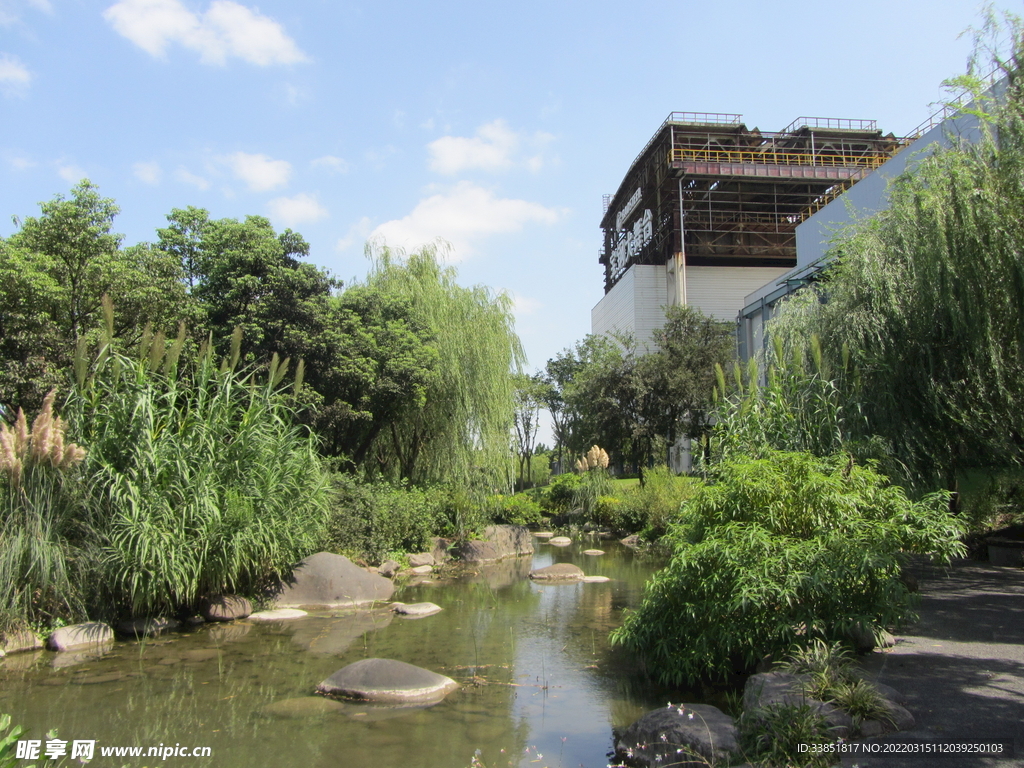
<point>225,30</point>
<point>524,305</point>
<point>186,176</point>
<point>358,232</point>
<point>462,216</point>
<point>300,209</point>
<point>331,163</point>
<point>9,12</point>
<point>20,163</point>
<point>490,150</point>
<point>259,172</point>
<point>70,172</point>
<point>496,147</point>
<point>148,173</point>
<point>14,76</point>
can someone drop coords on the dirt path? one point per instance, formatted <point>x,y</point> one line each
<point>961,666</point>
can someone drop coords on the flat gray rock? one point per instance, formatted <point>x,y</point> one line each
<point>421,570</point>
<point>558,572</point>
<point>279,614</point>
<point>387,681</point>
<point>595,579</point>
<point>79,637</point>
<point>224,608</point>
<point>21,640</point>
<point>560,541</point>
<point>654,739</point>
<point>416,609</point>
<point>325,580</point>
<point>593,552</point>
<point>146,627</point>
<point>543,534</point>
<point>302,708</point>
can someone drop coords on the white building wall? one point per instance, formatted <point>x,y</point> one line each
<point>720,291</point>
<point>634,305</point>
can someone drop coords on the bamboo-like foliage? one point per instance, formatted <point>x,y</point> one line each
<point>199,479</point>
<point>782,550</point>
<point>464,422</point>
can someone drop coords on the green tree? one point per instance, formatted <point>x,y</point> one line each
<point>54,272</point>
<point>244,274</point>
<point>374,366</point>
<point>529,394</point>
<point>463,426</point>
<point>926,296</point>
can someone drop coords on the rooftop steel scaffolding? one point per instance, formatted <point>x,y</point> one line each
<point>709,190</point>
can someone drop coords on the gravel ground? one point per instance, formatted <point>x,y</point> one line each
<point>961,666</point>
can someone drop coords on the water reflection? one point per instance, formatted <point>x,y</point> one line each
<point>533,661</point>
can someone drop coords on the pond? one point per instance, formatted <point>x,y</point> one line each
<point>539,684</point>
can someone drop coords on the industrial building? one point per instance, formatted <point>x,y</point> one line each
<point>707,213</point>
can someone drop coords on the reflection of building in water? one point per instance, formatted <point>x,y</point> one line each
<point>707,212</point>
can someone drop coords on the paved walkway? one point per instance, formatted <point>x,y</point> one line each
<point>961,666</point>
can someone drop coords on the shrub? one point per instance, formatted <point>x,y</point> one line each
<point>651,507</point>
<point>519,509</point>
<point>562,492</point>
<point>780,551</point>
<point>377,519</point>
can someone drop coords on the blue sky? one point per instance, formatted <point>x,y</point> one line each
<point>497,126</point>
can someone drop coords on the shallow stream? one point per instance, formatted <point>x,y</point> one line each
<point>540,686</point>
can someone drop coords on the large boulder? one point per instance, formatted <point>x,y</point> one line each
<point>80,637</point>
<point>224,608</point>
<point>20,640</point>
<point>387,681</point>
<point>558,572</point>
<point>325,580</point>
<point>499,542</point>
<point>670,735</point>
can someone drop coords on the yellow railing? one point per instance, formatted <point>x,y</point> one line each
<point>772,157</point>
<point>825,199</point>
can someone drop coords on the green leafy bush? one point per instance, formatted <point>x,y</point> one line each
<point>561,493</point>
<point>653,506</point>
<point>519,509</point>
<point>779,551</point>
<point>376,519</point>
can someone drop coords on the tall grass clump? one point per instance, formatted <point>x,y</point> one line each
<point>41,532</point>
<point>200,479</point>
<point>779,551</point>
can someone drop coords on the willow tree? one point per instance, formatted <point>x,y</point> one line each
<point>928,296</point>
<point>460,432</point>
